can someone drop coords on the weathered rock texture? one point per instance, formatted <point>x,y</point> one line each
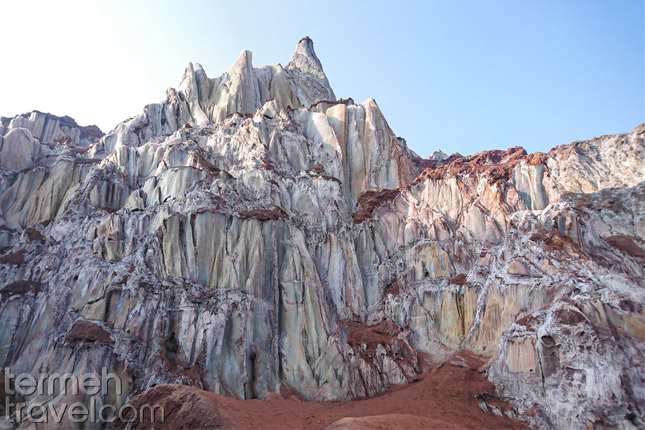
<point>251,234</point>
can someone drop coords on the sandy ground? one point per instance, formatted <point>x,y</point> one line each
<point>444,397</point>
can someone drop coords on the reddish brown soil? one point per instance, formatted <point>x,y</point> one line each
<point>20,287</point>
<point>626,244</point>
<point>568,317</point>
<point>530,321</point>
<point>264,214</point>
<point>34,235</point>
<point>444,397</point>
<point>536,158</point>
<point>318,168</point>
<point>393,289</point>
<point>426,163</point>
<point>87,331</point>
<point>369,201</point>
<point>499,164</point>
<point>383,333</point>
<point>558,241</point>
<point>17,258</point>
<point>87,160</point>
<point>460,279</point>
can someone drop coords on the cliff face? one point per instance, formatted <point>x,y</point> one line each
<point>253,234</point>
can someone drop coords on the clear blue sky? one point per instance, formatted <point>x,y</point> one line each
<point>457,75</point>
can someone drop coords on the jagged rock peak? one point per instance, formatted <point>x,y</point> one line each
<point>244,89</point>
<point>248,236</point>
<point>437,155</point>
<point>245,59</point>
<point>42,119</point>
<point>305,59</point>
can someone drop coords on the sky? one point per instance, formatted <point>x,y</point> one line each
<point>461,76</point>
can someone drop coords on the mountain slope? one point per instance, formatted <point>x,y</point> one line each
<point>252,235</point>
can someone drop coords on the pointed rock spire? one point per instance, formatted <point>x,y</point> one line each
<point>244,62</point>
<point>194,75</point>
<point>304,59</point>
<point>243,92</point>
<point>305,62</point>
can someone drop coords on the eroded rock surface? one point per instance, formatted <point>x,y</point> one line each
<point>251,234</point>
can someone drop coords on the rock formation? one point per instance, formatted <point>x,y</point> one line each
<point>251,234</point>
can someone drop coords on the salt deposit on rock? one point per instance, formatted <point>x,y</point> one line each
<point>241,236</point>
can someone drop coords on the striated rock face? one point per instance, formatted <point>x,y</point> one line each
<point>605,162</point>
<point>252,235</point>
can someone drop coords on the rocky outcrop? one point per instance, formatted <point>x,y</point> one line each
<point>252,235</point>
<point>306,73</point>
<point>606,162</point>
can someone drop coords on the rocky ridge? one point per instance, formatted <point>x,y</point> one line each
<point>251,234</point>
